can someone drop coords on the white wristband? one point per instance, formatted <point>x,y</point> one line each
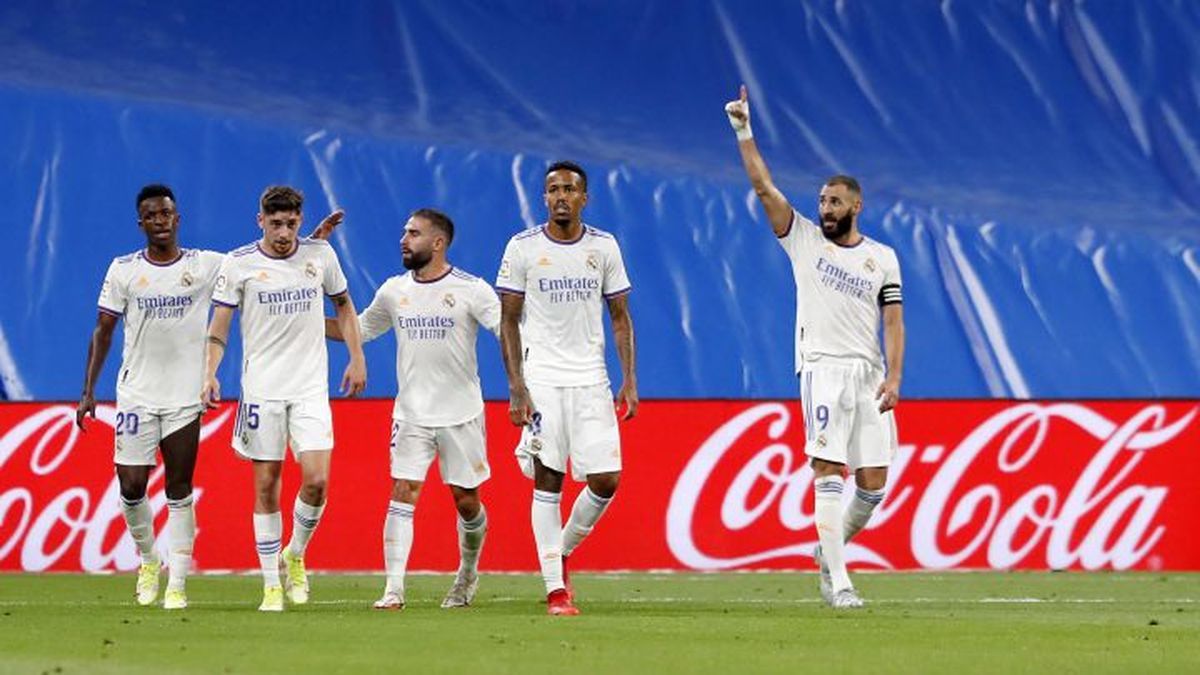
<point>744,134</point>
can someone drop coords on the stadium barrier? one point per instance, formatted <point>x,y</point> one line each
<point>708,485</point>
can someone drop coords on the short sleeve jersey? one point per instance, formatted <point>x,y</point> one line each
<point>283,316</point>
<point>165,309</point>
<point>436,323</point>
<point>840,292</point>
<point>565,285</point>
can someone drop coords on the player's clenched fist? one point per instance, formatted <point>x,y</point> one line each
<point>739,115</point>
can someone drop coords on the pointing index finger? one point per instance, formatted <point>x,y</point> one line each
<point>742,94</point>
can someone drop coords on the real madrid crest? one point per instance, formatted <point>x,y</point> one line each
<point>869,265</point>
<point>593,261</point>
<point>310,270</point>
<point>448,300</point>
<point>186,279</point>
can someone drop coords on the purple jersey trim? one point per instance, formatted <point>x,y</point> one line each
<point>341,292</point>
<point>614,294</point>
<point>789,227</point>
<point>223,304</point>
<point>433,281</point>
<point>110,312</point>
<point>509,291</point>
<point>582,234</point>
<point>856,244</point>
<point>261,250</point>
<point>145,257</point>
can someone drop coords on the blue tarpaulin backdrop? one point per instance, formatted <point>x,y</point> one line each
<point>1035,164</point>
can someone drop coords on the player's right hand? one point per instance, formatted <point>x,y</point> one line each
<point>354,380</point>
<point>87,404</point>
<point>738,111</point>
<point>210,395</point>
<point>520,407</point>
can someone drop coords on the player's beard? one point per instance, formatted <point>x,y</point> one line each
<point>415,260</point>
<point>841,226</point>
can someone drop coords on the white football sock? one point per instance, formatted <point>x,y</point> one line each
<point>397,543</point>
<point>587,510</point>
<point>828,498</point>
<point>470,542</point>
<point>139,519</point>
<point>268,537</point>
<point>859,511</point>
<point>547,532</point>
<point>305,517</point>
<point>181,534</point>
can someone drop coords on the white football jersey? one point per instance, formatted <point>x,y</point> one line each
<point>436,323</point>
<point>840,291</point>
<point>284,357</point>
<point>565,285</point>
<point>165,307</point>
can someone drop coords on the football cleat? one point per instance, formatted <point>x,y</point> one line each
<point>295,580</point>
<point>558,603</point>
<point>392,600</point>
<point>462,592</point>
<point>175,600</point>
<point>847,598</point>
<point>272,599</point>
<point>147,583</point>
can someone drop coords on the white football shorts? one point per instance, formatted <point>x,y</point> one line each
<point>139,431</point>
<point>461,451</point>
<point>263,430</point>
<point>571,423</point>
<point>842,422</point>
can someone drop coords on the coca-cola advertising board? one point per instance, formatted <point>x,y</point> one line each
<point>708,485</point>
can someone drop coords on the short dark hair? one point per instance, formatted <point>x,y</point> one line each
<point>567,165</point>
<point>278,198</point>
<point>848,181</point>
<point>439,220</point>
<point>153,190</point>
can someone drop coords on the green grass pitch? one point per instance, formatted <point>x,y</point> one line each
<point>632,623</point>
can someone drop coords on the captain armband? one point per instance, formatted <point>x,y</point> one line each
<point>889,294</point>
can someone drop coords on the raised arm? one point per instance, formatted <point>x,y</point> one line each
<point>97,352</point>
<point>893,345</point>
<point>779,211</point>
<point>622,325</point>
<point>520,405</point>
<point>218,337</point>
<point>354,380</point>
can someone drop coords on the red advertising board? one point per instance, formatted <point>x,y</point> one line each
<point>707,485</point>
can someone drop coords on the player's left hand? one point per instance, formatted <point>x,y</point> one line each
<point>354,381</point>
<point>627,395</point>
<point>327,226</point>
<point>888,395</point>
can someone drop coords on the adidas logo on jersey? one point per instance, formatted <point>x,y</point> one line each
<point>544,261</point>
